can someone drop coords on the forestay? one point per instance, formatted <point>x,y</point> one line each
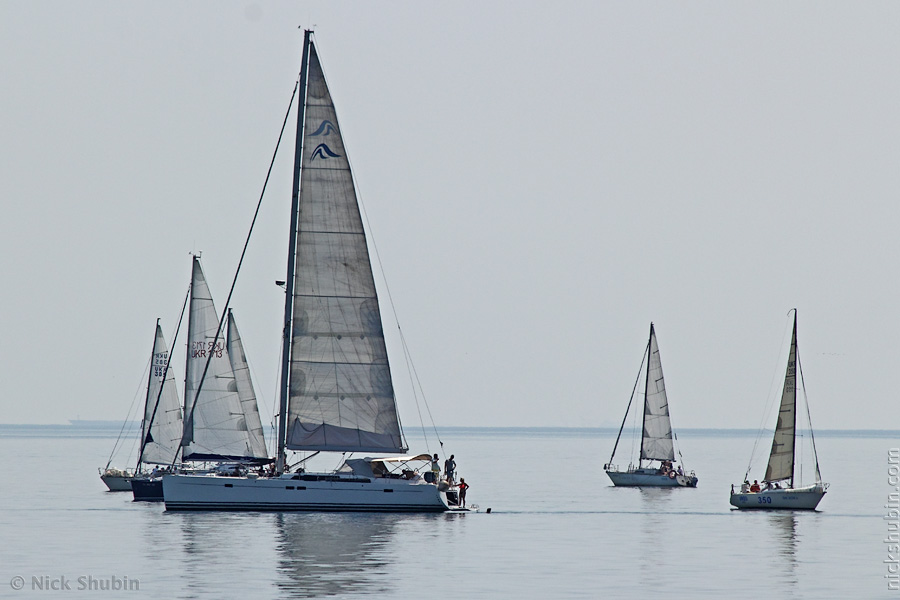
<point>341,395</point>
<point>656,441</point>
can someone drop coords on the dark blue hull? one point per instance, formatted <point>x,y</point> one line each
<point>147,490</point>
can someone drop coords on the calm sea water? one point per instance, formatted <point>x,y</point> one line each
<point>558,529</point>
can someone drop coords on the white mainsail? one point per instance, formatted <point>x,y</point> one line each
<point>781,459</point>
<point>341,395</point>
<point>245,389</point>
<point>656,443</point>
<point>217,428</point>
<point>162,438</point>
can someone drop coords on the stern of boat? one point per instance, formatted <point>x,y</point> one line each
<point>805,498</point>
<point>116,480</point>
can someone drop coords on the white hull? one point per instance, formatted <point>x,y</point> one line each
<point>309,492</point>
<point>649,478</point>
<point>117,483</point>
<point>806,498</point>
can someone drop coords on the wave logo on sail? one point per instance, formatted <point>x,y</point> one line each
<point>324,152</point>
<point>325,128</point>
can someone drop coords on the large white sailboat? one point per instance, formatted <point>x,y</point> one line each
<point>336,391</point>
<point>656,465</point>
<point>161,424</point>
<point>777,489</point>
<point>222,423</point>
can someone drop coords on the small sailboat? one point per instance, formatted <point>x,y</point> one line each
<point>117,480</point>
<point>226,427</point>
<point>778,486</point>
<point>336,393</point>
<point>161,424</point>
<point>656,465</point>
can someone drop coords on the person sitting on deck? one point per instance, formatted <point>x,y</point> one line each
<point>755,487</point>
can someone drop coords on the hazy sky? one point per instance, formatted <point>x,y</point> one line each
<point>543,179</point>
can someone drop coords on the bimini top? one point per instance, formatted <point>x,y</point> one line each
<point>379,467</point>
<point>400,459</point>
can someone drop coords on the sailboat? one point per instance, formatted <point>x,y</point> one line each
<point>657,438</point>
<point>777,489</point>
<point>161,425</point>
<point>226,427</point>
<point>336,392</point>
<point>219,425</point>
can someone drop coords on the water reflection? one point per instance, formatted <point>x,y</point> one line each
<point>783,527</point>
<point>221,547</point>
<point>327,554</point>
<point>656,531</point>
<point>655,499</point>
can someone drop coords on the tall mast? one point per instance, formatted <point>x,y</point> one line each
<point>185,413</point>
<point>646,383</point>
<point>292,246</point>
<point>145,426</point>
<point>796,361</point>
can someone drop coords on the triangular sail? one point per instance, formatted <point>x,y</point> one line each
<point>341,395</point>
<point>781,459</point>
<point>162,440</point>
<point>656,443</point>
<point>219,430</point>
<point>245,389</point>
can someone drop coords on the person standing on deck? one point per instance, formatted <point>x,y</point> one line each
<point>449,468</point>
<point>463,486</point>
<point>435,470</point>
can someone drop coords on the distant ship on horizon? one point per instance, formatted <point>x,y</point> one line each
<point>101,423</point>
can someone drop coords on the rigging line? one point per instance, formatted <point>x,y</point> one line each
<point>633,390</point>
<point>275,407</point>
<point>190,418</point>
<point>162,385</point>
<point>133,444</point>
<point>371,238</point>
<point>771,397</point>
<point>387,289</point>
<point>421,389</point>
<point>808,417</point>
<point>412,385</point>
<point>137,393</point>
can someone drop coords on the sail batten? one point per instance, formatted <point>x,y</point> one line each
<point>656,440</point>
<point>340,393</point>
<point>781,457</point>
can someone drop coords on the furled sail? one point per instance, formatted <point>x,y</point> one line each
<point>656,443</point>
<point>341,395</point>
<point>246,394</point>
<point>781,459</point>
<point>162,439</point>
<point>218,429</point>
